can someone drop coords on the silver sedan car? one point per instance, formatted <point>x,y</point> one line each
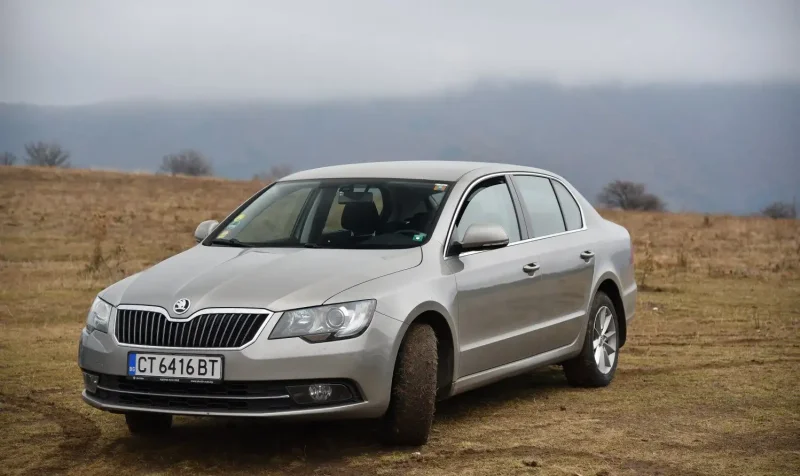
<point>366,291</point>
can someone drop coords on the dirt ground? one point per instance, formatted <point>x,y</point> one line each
<point>708,383</point>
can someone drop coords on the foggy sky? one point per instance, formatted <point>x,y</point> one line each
<point>81,51</point>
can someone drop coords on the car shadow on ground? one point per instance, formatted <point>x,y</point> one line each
<point>250,443</point>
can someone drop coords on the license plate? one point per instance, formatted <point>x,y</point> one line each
<point>175,368</point>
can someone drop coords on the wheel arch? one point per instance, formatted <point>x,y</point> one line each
<point>434,315</point>
<point>609,285</point>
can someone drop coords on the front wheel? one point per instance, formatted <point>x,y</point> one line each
<point>596,364</point>
<point>142,423</point>
<point>410,415</point>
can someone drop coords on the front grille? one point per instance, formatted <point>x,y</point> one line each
<point>217,331</point>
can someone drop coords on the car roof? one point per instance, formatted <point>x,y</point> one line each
<point>442,170</point>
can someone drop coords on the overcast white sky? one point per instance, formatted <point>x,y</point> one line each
<point>79,51</point>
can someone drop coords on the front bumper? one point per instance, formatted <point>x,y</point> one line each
<point>364,364</point>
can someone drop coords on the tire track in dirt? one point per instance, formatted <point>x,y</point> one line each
<point>79,434</point>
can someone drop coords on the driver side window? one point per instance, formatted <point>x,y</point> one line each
<point>489,203</point>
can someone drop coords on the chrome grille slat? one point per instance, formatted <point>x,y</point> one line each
<point>247,332</point>
<point>191,331</point>
<point>148,326</point>
<point>197,334</point>
<point>225,330</point>
<point>151,326</point>
<point>213,339</point>
<point>173,335</point>
<point>184,332</point>
<point>158,328</point>
<point>241,328</point>
<point>228,330</point>
<point>127,326</point>
<point>233,329</point>
<point>203,332</point>
<point>136,329</point>
<point>239,325</point>
<point>128,330</point>
<point>140,329</point>
<point>207,342</point>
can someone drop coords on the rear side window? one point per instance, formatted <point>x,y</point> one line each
<point>489,203</point>
<point>544,214</point>
<point>572,213</point>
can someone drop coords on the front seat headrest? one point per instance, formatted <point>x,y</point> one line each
<point>361,218</point>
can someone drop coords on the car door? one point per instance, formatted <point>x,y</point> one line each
<point>492,298</point>
<point>559,245</point>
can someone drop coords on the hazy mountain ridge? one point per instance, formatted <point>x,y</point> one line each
<point>707,147</point>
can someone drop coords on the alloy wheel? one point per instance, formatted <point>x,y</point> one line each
<point>604,339</point>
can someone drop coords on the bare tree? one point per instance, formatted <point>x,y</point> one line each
<point>629,196</point>
<point>46,154</point>
<point>186,162</point>
<point>780,210</point>
<point>7,158</point>
<point>275,172</point>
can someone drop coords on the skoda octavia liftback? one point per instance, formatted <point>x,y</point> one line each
<point>366,291</point>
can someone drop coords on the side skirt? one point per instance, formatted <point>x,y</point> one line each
<point>486,377</point>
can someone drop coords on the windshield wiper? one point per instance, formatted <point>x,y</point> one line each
<point>233,242</point>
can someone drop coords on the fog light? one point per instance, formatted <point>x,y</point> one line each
<point>90,382</point>
<point>320,392</point>
<point>317,393</point>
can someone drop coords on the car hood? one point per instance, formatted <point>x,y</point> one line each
<point>275,278</point>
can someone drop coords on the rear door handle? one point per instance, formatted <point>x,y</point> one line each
<point>587,255</point>
<point>530,268</point>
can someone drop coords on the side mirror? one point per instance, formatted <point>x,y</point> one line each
<point>481,236</point>
<point>204,229</point>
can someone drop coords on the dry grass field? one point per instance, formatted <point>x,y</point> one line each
<point>708,383</point>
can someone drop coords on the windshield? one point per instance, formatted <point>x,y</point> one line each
<point>363,213</point>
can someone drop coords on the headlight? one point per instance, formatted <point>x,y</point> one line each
<point>315,324</point>
<point>99,315</point>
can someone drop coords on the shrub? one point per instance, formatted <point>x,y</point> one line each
<point>7,158</point>
<point>780,210</point>
<point>186,162</point>
<point>629,196</point>
<point>46,154</point>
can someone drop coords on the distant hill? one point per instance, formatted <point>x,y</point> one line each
<point>718,148</point>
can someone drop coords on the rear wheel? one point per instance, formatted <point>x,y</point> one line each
<point>410,415</point>
<point>140,423</point>
<point>596,364</point>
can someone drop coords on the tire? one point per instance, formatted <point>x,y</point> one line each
<point>584,369</point>
<point>141,423</point>
<point>413,400</point>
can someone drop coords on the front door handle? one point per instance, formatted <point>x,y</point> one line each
<point>530,268</point>
<point>587,255</point>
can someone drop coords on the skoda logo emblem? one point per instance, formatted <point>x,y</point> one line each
<point>181,306</point>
